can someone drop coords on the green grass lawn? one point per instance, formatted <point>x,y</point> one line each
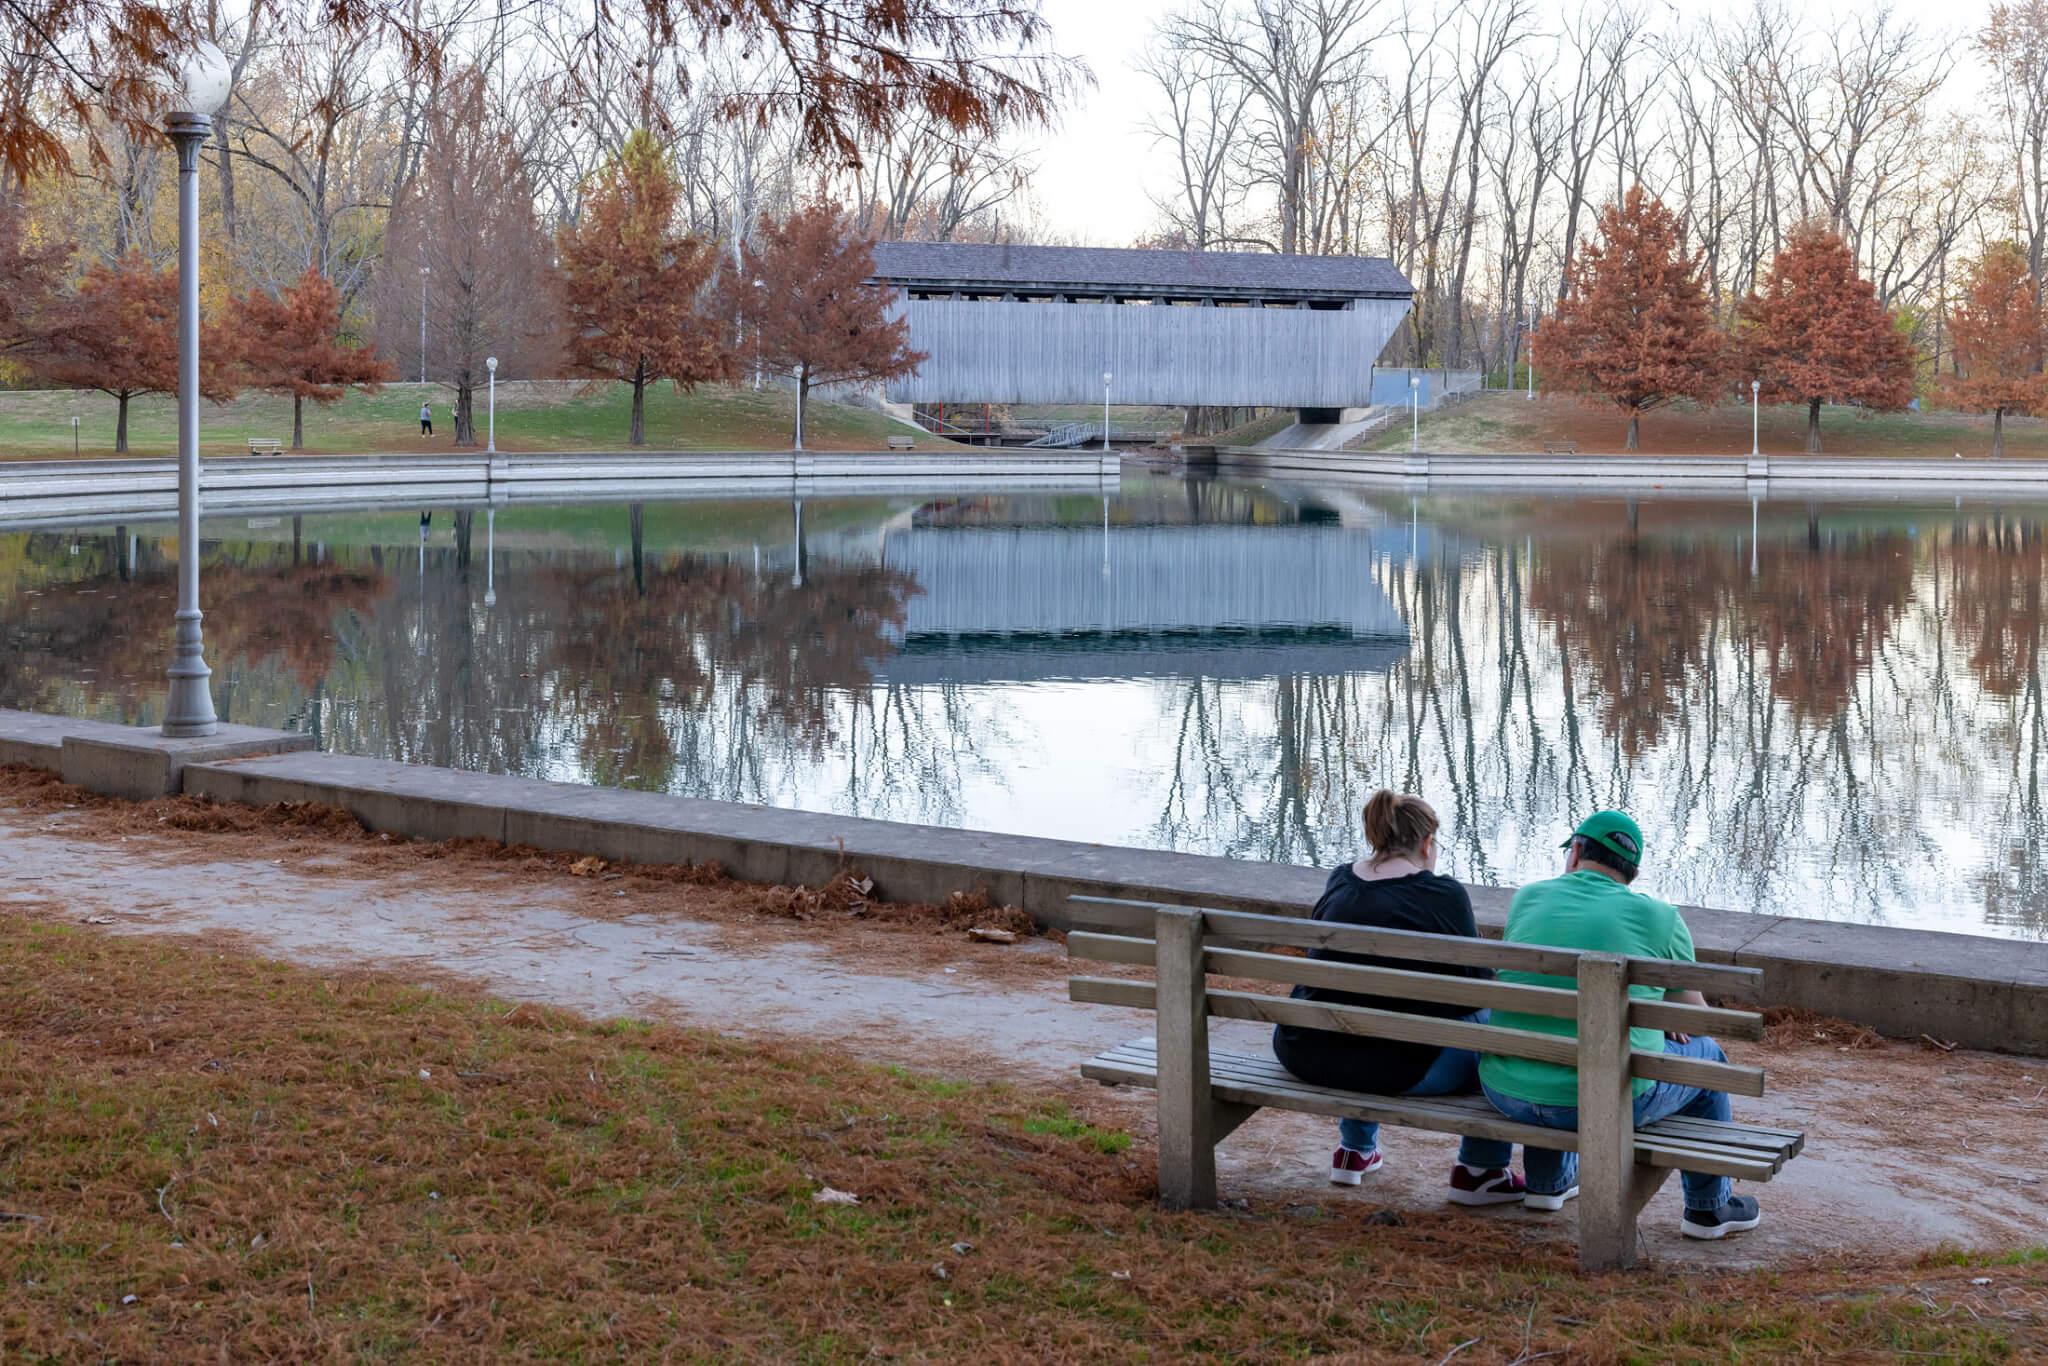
<point>1498,422</point>
<point>532,416</point>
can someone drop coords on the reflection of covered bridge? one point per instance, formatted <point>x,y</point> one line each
<point>1079,602</point>
<point>1013,324</point>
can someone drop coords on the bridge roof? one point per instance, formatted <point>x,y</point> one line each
<point>1226,274</point>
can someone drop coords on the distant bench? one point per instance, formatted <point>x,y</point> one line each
<point>1560,448</point>
<point>1204,1095</point>
<point>902,443</point>
<point>265,445</point>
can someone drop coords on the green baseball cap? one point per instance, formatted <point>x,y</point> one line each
<point>1613,830</point>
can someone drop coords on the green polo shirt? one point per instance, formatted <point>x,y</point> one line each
<point>1582,910</point>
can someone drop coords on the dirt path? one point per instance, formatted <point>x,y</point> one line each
<point>1908,1148</point>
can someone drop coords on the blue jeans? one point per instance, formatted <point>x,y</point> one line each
<point>1553,1173</point>
<point>1454,1073</point>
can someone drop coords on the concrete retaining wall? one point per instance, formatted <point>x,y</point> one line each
<point>56,491</point>
<point>1759,476</point>
<point>1981,992</point>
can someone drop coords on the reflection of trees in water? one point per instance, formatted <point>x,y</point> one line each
<point>77,612</point>
<point>1797,738</point>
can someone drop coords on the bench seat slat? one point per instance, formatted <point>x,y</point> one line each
<point>1761,1138</point>
<point>1243,1079</point>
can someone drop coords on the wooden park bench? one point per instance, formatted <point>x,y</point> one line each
<point>1560,448</point>
<point>265,445</point>
<point>902,443</point>
<point>1203,1095</point>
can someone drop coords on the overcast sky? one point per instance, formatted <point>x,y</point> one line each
<point>1096,170</point>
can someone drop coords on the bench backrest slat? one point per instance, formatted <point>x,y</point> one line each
<point>1340,1019</point>
<point>1247,929</point>
<point>1399,983</point>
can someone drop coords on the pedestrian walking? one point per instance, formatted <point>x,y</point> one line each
<point>426,420</point>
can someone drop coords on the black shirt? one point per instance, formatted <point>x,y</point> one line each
<point>1428,902</point>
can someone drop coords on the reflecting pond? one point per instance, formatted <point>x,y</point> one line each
<point>1819,709</point>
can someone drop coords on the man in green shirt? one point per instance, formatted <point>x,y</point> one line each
<point>1592,908</point>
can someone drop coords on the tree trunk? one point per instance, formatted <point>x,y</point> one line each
<point>803,392</point>
<point>1813,427</point>
<point>465,413</point>
<point>1997,433</point>
<point>298,422</point>
<point>228,217</point>
<point>1634,431</point>
<point>638,436</point>
<point>121,426</point>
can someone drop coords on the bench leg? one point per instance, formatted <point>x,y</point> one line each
<point>1187,1114</point>
<point>1607,1138</point>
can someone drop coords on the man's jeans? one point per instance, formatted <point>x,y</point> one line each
<point>1553,1173</point>
<point>1454,1073</point>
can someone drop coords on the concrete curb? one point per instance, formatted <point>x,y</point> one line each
<point>1979,992</point>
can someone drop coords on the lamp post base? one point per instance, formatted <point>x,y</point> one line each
<point>188,711</point>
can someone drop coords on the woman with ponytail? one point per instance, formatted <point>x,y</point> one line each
<point>1397,887</point>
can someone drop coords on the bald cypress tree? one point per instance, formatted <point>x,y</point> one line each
<point>1633,327</point>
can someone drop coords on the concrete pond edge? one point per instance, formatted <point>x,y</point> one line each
<point>1968,990</point>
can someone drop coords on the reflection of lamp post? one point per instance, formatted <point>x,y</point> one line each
<point>1105,409</point>
<point>491,364</point>
<point>1753,388</point>
<point>490,557</point>
<point>202,85</point>
<point>1414,414</point>
<point>797,581</point>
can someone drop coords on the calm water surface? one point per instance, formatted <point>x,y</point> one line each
<point>1836,715</point>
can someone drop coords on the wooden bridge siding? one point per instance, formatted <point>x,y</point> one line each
<point>1056,353</point>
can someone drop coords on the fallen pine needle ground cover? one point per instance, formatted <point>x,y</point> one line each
<point>209,1157</point>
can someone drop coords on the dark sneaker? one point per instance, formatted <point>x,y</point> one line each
<point>1348,1166</point>
<point>1536,1200</point>
<point>1494,1186</point>
<point>1737,1214</point>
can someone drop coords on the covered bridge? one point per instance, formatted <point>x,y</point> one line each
<point>1017,324</point>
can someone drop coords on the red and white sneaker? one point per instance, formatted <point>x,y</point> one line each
<point>1348,1166</point>
<point>1493,1186</point>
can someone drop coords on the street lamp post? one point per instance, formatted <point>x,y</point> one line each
<point>1106,377</point>
<point>1414,415</point>
<point>74,436</point>
<point>1753,388</point>
<point>491,441</point>
<point>1532,357</point>
<point>424,273</point>
<point>202,84</point>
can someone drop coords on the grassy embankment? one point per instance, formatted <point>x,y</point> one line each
<point>553,416</point>
<point>1494,422</point>
<point>209,1156</point>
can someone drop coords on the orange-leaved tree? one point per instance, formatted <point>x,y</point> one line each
<point>31,273</point>
<point>118,333</point>
<point>291,344</point>
<point>1997,331</point>
<point>1633,327</point>
<point>633,281</point>
<point>809,313</point>
<point>1817,333</point>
